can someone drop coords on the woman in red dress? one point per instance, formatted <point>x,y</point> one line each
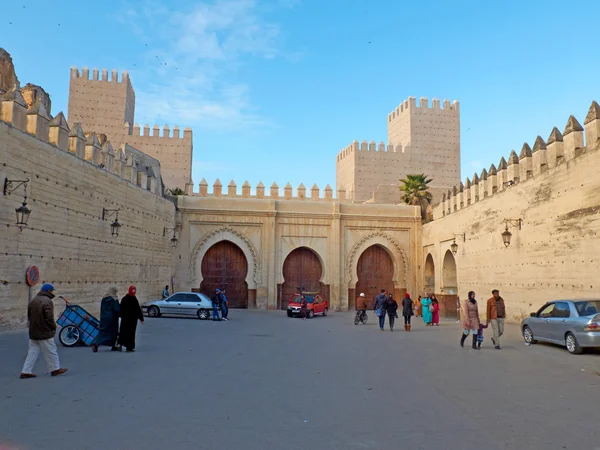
<point>436,311</point>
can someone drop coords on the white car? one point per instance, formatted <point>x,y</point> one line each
<point>180,304</point>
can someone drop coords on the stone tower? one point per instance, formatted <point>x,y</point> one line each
<point>421,139</point>
<point>107,106</point>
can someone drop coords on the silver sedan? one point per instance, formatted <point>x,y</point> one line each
<point>574,324</point>
<point>180,304</point>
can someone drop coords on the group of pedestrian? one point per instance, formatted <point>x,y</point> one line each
<point>386,305</point>
<point>430,310</point>
<point>128,310</point>
<point>219,304</point>
<point>495,316</point>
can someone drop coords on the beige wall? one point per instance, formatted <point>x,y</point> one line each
<point>554,255</point>
<point>108,106</point>
<point>421,139</point>
<point>66,238</point>
<point>268,229</point>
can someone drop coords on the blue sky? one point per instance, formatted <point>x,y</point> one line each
<point>274,89</point>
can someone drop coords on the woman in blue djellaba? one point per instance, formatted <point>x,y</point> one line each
<point>110,311</point>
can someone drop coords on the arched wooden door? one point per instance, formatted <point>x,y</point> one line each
<point>375,272</point>
<point>429,275</point>
<point>301,269</point>
<point>449,295</point>
<point>224,266</point>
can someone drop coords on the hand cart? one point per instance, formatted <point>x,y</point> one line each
<point>78,326</point>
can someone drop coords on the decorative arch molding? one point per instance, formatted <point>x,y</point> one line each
<point>391,245</point>
<point>254,275</point>
<point>324,272</point>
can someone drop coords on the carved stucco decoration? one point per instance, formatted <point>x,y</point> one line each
<point>380,238</point>
<point>237,238</point>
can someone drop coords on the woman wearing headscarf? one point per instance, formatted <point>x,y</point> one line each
<point>426,310</point>
<point>407,310</point>
<point>470,320</point>
<point>109,321</point>
<point>130,314</point>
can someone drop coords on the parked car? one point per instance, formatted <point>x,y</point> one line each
<point>180,304</point>
<point>574,324</point>
<point>315,304</point>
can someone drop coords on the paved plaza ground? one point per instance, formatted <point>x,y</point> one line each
<point>263,381</point>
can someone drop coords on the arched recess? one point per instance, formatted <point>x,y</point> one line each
<point>375,270</point>
<point>449,292</point>
<point>429,275</point>
<point>393,249</point>
<point>224,266</point>
<point>253,276</point>
<point>302,269</point>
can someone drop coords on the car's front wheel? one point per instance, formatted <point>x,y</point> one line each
<point>311,314</point>
<point>528,335</point>
<point>572,344</point>
<point>203,314</point>
<point>325,312</point>
<point>289,313</point>
<point>153,311</point>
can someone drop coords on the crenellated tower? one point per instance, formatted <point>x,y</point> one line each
<point>106,105</point>
<point>421,139</point>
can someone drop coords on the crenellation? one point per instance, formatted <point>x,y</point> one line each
<point>287,191</point>
<point>217,188</point>
<point>301,192</point>
<point>592,126</point>
<point>513,170</point>
<point>246,189</point>
<point>104,75</point>
<point>93,149</point>
<point>314,192</point>
<point>95,74</point>
<point>539,156</point>
<point>502,175</point>
<point>274,191</point>
<point>232,189</point>
<point>58,133</point>
<point>573,139</point>
<point>13,108</point>
<point>260,190</point>
<point>156,131</point>
<point>38,121</point>
<point>203,190</point>
<point>77,141</point>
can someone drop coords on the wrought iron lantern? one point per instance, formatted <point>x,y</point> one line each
<point>173,239</point>
<point>115,226</point>
<point>454,245</point>
<point>22,211</point>
<point>507,235</point>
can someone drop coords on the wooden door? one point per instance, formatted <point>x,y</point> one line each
<point>301,269</point>
<point>375,272</point>
<point>224,266</point>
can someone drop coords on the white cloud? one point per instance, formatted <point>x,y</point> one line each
<point>194,57</point>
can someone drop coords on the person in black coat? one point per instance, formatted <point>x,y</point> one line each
<point>108,330</point>
<point>390,306</point>
<point>130,314</point>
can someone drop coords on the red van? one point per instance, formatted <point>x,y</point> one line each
<point>315,304</point>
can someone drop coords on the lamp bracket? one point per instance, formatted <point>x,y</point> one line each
<point>107,213</point>
<point>459,235</point>
<point>12,185</point>
<point>513,223</point>
<point>168,230</point>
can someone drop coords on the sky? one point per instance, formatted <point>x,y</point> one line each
<point>275,89</point>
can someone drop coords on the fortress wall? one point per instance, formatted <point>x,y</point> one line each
<point>555,254</point>
<point>107,106</point>
<point>72,177</point>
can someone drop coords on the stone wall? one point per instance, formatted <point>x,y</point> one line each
<point>555,190</point>
<point>71,179</point>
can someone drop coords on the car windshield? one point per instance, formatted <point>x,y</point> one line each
<point>297,298</point>
<point>587,307</point>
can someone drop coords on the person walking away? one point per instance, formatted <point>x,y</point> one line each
<point>130,314</point>
<point>109,322</point>
<point>224,308</point>
<point>379,301</point>
<point>480,334</point>
<point>426,310</point>
<point>361,305</point>
<point>42,329</point>
<point>435,315</point>
<point>166,291</point>
<point>390,306</point>
<point>215,299</point>
<point>407,310</point>
<point>470,320</point>
<point>418,307</point>
<point>303,307</point>
<point>496,313</point>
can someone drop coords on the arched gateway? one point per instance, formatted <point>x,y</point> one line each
<point>224,266</point>
<point>375,272</point>
<point>302,269</point>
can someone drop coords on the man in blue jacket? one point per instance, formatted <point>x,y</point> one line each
<point>224,308</point>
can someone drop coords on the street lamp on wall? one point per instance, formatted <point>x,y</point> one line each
<point>454,245</point>
<point>115,226</point>
<point>173,239</point>
<point>22,211</point>
<point>507,235</point>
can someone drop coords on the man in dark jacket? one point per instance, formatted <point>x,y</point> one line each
<point>216,300</point>
<point>379,301</point>
<point>42,329</point>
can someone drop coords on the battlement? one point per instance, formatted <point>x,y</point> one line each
<point>156,132</point>
<point>365,146</point>
<point>127,163</point>
<point>289,193</point>
<point>410,104</point>
<point>558,150</point>
<point>100,75</point>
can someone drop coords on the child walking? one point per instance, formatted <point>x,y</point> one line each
<point>480,334</point>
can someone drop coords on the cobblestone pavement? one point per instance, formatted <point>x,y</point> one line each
<point>263,381</point>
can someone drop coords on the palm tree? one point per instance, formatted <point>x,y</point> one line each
<point>176,191</point>
<point>415,191</point>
